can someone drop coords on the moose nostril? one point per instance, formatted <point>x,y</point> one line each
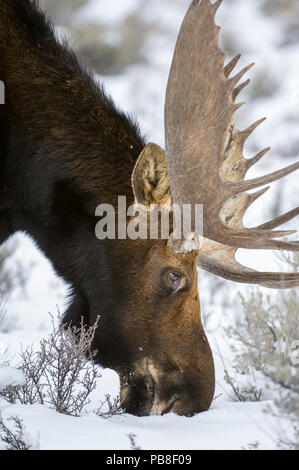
<point>170,405</point>
<point>151,386</point>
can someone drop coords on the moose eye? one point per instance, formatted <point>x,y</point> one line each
<point>173,281</point>
<point>173,277</point>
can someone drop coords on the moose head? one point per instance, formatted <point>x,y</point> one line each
<point>71,150</point>
<point>203,164</point>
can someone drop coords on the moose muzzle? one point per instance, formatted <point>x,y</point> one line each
<point>152,390</point>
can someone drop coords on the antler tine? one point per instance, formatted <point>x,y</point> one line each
<point>204,151</point>
<point>238,89</point>
<point>234,271</point>
<point>260,181</point>
<point>252,161</point>
<point>231,65</point>
<point>254,196</point>
<point>247,132</point>
<point>282,219</point>
<point>234,80</point>
<point>216,5</point>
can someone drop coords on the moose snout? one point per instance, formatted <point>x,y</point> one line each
<point>190,397</point>
<point>159,392</point>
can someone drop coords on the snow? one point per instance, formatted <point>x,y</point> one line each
<point>140,90</point>
<point>10,377</point>
<point>225,426</point>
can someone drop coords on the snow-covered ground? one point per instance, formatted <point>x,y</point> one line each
<point>140,90</point>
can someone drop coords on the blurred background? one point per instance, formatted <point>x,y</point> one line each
<point>129,45</point>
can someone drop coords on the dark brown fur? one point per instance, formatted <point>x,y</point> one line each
<point>64,149</point>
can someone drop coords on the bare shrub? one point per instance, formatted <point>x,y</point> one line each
<point>252,446</point>
<point>110,407</point>
<point>14,435</point>
<point>61,374</point>
<point>264,336</point>
<point>10,275</point>
<point>249,392</point>
<point>132,438</point>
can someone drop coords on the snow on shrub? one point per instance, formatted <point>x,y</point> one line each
<point>11,377</point>
<point>13,434</point>
<point>61,374</point>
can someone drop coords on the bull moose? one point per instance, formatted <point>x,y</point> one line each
<point>65,148</point>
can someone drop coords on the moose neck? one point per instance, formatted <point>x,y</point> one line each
<point>53,181</point>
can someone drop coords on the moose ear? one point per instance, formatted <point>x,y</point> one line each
<point>150,180</point>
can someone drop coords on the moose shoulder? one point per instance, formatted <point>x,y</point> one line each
<point>65,149</point>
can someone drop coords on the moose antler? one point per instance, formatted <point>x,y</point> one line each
<point>204,152</point>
